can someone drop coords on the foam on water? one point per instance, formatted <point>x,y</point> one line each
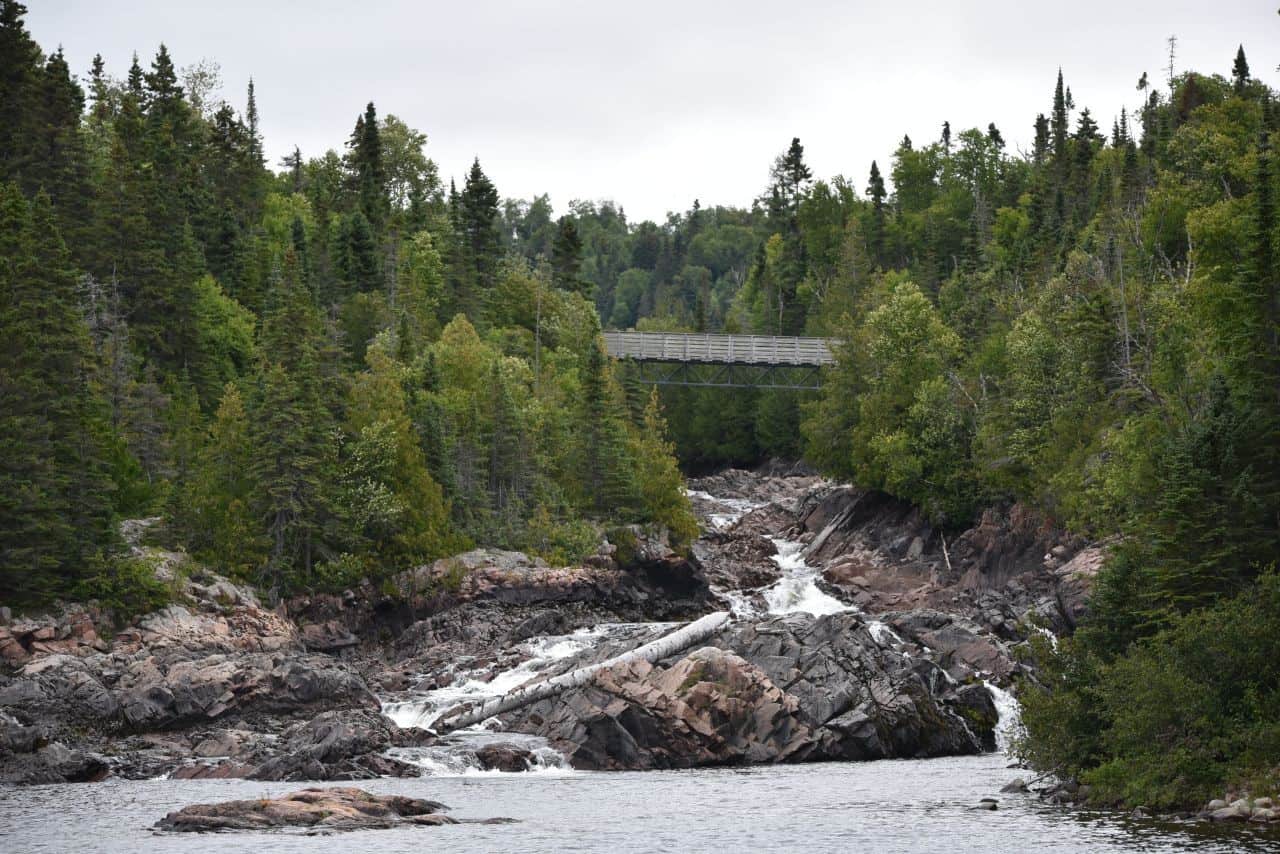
<point>1009,723</point>
<point>798,589</point>
<point>736,508</point>
<point>471,686</point>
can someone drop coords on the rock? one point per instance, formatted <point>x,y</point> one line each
<point>1234,812</point>
<point>158,694</point>
<point>787,689</point>
<point>1139,813</point>
<point>1215,804</point>
<point>987,804</point>
<point>226,770</point>
<point>709,708</point>
<point>336,746</point>
<point>331,809</point>
<point>1016,785</point>
<point>55,763</point>
<point>328,637</point>
<point>504,757</point>
<point>1261,814</point>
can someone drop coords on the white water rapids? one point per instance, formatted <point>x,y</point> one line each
<point>796,591</point>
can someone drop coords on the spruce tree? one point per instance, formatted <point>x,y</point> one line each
<point>369,167</point>
<point>876,192</point>
<point>1058,125</point>
<point>479,244</point>
<point>1240,71</point>
<point>566,258</point>
<point>55,495</point>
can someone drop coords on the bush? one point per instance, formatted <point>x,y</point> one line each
<point>1178,718</point>
<point>125,586</point>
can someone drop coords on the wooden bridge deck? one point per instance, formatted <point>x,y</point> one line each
<point>707,348</point>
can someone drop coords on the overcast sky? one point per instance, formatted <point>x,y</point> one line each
<point>656,103</point>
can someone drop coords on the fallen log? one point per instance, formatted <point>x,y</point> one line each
<point>678,641</point>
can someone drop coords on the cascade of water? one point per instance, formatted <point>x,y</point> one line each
<point>1009,721</point>
<point>798,590</point>
<point>471,686</point>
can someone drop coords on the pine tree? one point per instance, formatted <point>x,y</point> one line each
<point>876,192</point>
<point>1240,71</point>
<point>607,483</point>
<point>1040,147</point>
<point>55,496</point>
<point>19,73</point>
<point>251,121</point>
<point>479,245</point>
<point>1058,125</point>
<point>661,486</point>
<point>367,164</point>
<point>363,273</point>
<point>292,429</point>
<point>566,258</point>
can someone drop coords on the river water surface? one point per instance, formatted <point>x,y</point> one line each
<point>891,806</point>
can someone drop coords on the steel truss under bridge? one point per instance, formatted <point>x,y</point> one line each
<point>728,361</point>
<point>792,377</point>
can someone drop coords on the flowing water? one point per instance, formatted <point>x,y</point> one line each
<point>907,806</point>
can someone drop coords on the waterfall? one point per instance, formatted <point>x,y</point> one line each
<point>1009,722</point>
<point>798,589</point>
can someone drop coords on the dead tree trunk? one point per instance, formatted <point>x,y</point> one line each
<point>678,641</point>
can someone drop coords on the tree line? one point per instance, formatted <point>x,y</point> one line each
<point>316,374</point>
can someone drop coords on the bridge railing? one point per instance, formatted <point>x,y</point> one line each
<point>718,349</point>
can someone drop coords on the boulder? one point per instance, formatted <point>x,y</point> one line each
<point>504,757</point>
<point>55,763</point>
<point>336,746</point>
<point>709,708</point>
<point>330,809</point>
<point>786,689</point>
<point>330,636</point>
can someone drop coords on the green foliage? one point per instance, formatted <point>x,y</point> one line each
<point>1175,720</point>
<point>662,492</point>
<point>124,586</point>
<point>55,496</point>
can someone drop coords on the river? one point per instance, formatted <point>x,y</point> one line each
<point>915,806</point>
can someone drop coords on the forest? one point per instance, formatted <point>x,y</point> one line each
<point>337,367</point>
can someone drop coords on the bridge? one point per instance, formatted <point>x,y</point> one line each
<point>727,361</point>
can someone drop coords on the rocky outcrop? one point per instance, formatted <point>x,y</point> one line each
<point>709,708</point>
<point>327,809</point>
<point>336,746</point>
<point>787,689</point>
<point>1009,571</point>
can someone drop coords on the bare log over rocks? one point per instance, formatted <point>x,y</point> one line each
<point>678,641</point>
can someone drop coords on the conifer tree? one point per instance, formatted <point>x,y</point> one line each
<point>369,168</point>
<point>479,245</point>
<point>1240,71</point>
<point>876,192</point>
<point>661,486</point>
<point>55,496</point>
<point>605,461</point>
<point>566,258</point>
<point>1058,125</point>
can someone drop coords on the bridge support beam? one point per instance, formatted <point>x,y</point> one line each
<point>788,377</point>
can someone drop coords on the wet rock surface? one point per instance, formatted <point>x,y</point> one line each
<point>788,689</point>
<point>326,809</point>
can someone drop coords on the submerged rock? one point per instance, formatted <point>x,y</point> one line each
<point>331,809</point>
